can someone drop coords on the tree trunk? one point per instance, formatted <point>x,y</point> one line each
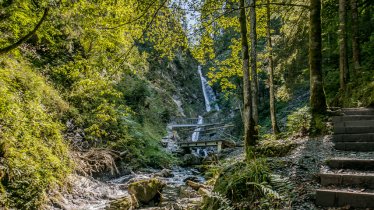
<point>273,115</point>
<point>249,139</point>
<point>317,94</point>
<point>343,59</point>
<point>355,41</point>
<point>253,37</point>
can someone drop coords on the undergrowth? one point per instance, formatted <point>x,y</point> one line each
<point>246,185</point>
<point>33,154</point>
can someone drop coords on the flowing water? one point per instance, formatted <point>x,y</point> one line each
<point>208,93</point>
<point>196,132</point>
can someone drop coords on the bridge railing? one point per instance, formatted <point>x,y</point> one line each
<point>191,121</point>
<point>216,132</point>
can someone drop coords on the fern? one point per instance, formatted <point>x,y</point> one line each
<point>266,190</point>
<point>217,201</point>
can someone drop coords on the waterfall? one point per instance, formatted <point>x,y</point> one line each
<point>208,92</point>
<point>195,135</point>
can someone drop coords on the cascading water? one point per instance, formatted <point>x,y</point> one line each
<point>209,97</point>
<point>208,92</point>
<point>196,132</point>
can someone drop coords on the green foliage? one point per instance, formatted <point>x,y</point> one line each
<point>235,181</point>
<point>245,183</point>
<point>34,156</point>
<point>298,122</point>
<point>216,201</point>
<point>90,51</point>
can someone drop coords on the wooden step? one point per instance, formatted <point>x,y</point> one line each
<point>358,137</point>
<point>355,146</point>
<point>353,129</point>
<point>355,123</point>
<point>356,164</point>
<point>339,198</point>
<point>365,181</point>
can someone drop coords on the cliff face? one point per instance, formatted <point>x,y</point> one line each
<point>180,82</point>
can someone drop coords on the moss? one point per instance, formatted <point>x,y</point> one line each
<point>274,147</point>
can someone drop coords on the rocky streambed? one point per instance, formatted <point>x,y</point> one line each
<point>153,189</point>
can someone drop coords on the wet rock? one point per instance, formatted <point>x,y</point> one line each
<point>191,160</point>
<point>125,203</point>
<point>147,191</point>
<point>187,192</point>
<point>210,159</point>
<point>194,185</point>
<point>191,178</point>
<point>203,192</point>
<point>164,173</point>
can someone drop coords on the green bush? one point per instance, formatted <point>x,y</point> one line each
<point>298,122</point>
<point>242,185</point>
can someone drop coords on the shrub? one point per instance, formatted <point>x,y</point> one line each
<point>298,122</point>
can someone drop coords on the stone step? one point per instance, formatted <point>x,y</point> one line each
<point>339,198</point>
<point>352,118</point>
<point>355,123</point>
<point>355,146</point>
<point>353,129</point>
<point>357,111</point>
<point>358,137</point>
<point>355,180</point>
<point>356,164</point>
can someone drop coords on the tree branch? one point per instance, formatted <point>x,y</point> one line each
<point>25,38</point>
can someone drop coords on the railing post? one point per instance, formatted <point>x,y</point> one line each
<point>219,146</point>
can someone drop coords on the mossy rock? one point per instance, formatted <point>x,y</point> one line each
<point>125,203</point>
<point>147,191</point>
<point>275,148</point>
<point>191,160</point>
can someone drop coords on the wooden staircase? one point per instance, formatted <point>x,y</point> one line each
<point>350,181</point>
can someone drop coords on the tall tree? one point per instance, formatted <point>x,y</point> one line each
<point>273,116</point>
<point>355,34</point>
<point>317,94</point>
<point>343,59</point>
<point>249,138</point>
<point>253,37</point>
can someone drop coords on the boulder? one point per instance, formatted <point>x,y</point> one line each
<point>125,203</point>
<point>190,160</point>
<point>147,191</point>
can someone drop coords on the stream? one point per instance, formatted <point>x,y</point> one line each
<point>87,193</point>
<point>91,194</point>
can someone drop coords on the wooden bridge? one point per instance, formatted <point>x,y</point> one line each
<point>219,143</point>
<point>211,133</point>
